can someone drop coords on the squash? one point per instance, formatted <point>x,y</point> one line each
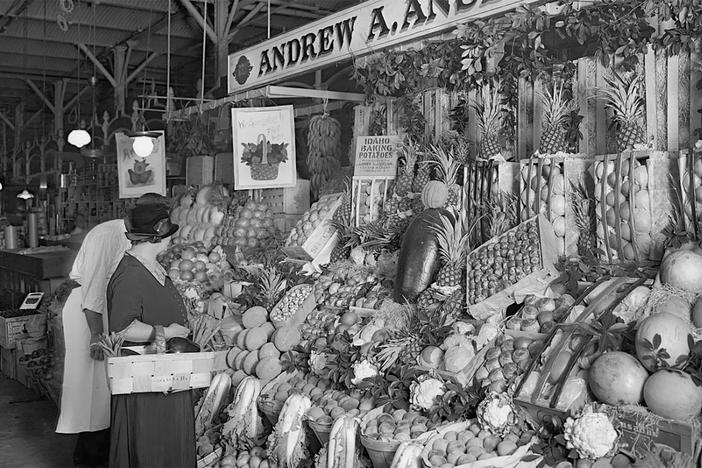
<point>435,194</point>
<point>419,256</point>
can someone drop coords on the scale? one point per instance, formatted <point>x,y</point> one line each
<point>32,300</point>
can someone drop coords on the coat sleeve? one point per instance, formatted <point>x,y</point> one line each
<point>124,299</point>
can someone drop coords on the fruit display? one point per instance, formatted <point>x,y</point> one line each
<point>199,216</point>
<point>623,209</point>
<point>460,444</point>
<point>256,457</point>
<point>347,286</point>
<point>504,262</point>
<point>279,390</point>
<point>368,200</point>
<point>329,405</point>
<point>540,314</point>
<point>291,304</point>
<point>504,361</point>
<point>255,352</point>
<point>196,264</point>
<point>398,425</point>
<point>314,229</point>
<point>249,225</point>
<point>543,192</point>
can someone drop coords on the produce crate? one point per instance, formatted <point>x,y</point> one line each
<point>13,329</point>
<point>199,170</point>
<point>292,201</point>
<point>320,237</point>
<point>210,459</point>
<point>690,170</point>
<point>533,283</point>
<point>163,372</point>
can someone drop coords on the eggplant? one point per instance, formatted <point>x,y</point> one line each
<point>181,345</point>
<point>419,256</point>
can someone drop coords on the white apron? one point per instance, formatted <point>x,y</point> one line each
<point>85,396</point>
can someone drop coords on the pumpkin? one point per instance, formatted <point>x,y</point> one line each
<point>672,394</point>
<point>435,194</point>
<point>682,269</point>
<point>673,332</point>
<point>419,256</point>
<point>617,378</point>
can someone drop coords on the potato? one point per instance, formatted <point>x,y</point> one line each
<point>506,447</point>
<point>490,443</point>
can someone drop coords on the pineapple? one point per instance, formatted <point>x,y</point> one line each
<point>453,307</point>
<point>428,300</point>
<point>556,110</point>
<point>271,287</point>
<point>447,172</point>
<point>581,203</point>
<point>343,225</point>
<point>623,96</point>
<point>404,179</point>
<point>422,177</point>
<point>491,115</point>
<point>404,344</point>
<point>452,248</point>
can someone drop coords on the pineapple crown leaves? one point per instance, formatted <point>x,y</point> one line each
<point>446,163</point>
<point>374,236</point>
<point>623,96</point>
<point>556,106</point>
<point>408,154</point>
<point>452,241</point>
<point>491,110</point>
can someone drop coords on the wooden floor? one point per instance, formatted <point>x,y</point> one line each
<point>27,424</point>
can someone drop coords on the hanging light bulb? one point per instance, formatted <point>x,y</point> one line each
<point>79,137</point>
<point>25,195</point>
<point>143,142</point>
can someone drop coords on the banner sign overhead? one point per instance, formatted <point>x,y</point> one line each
<point>359,30</point>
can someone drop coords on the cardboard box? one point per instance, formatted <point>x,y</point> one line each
<point>199,170</point>
<point>224,168</point>
<point>12,329</point>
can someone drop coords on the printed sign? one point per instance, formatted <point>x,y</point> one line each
<point>359,30</point>
<point>136,175</point>
<point>264,147</point>
<point>376,157</point>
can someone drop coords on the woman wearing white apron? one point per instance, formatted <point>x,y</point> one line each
<point>85,396</point>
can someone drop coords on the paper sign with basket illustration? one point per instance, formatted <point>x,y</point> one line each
<point>264,147</point>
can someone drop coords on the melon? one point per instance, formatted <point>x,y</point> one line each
<point>673,394</point>
<point>268,368</point>
<point>239,360</point>
<point>254,317</point>
<point>255,338</point>
<point>241,339</point>
<point>250,362</point>
<point>268,350</point>
<point>270,328</point>
<point>617,378</point>
<point>673,332</point>
<point>682,269</point>
<point>286,338</point>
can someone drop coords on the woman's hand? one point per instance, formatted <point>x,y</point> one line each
<point>176,330</point>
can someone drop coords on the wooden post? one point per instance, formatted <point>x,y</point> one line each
<point>650,84</point>
<point>59,95</point>
<point>120,82</point>
<point>684,92</point>
<point>661,98</point>
<point>672,101</point>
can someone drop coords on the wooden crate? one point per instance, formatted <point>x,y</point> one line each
<point>12,329</point>
<point>319,239</point>
<point>8,362</point>
<point>292,200</point>
<point>224,168</point>
<point>163,372</point>
<point>199,170</point>
<point>534,283</point>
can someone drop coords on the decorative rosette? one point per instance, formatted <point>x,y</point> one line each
<point>591,434</point>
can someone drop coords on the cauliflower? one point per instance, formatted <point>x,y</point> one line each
<point>363,370</point>
<point>464,328</point>
<point>425,391</point>
<point>317,362</point>
<point>457,340</point>
<point>592,434</point>
<point>486,334</point>
<point>496,413</point>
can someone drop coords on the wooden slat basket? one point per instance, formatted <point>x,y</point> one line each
<point>163,372</point>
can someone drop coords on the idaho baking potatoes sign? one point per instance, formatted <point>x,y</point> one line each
<point>376,157</point>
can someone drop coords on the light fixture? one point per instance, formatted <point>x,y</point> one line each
<point>143,142</point>
<point>25,195</point>
<point>79,137</point>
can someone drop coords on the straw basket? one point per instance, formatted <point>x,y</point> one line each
<point>322,431</point>
<point>381,452</point>
<point>264,171</point>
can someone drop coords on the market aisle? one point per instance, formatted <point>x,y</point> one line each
<point>27,437</point>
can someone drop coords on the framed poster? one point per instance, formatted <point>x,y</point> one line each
<point>264,147</point>
<point>136,175</point>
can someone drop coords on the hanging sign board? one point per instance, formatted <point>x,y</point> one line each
<point>136,175</point>
<point>359,30</point>
<point>376,157</point>
<point>264,147</point>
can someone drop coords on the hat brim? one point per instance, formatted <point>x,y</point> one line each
<point>137,236</point>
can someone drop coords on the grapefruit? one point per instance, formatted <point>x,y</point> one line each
<point>617,378</point>
<point>663,331</point>
<point>682,269</point>
<point>672,394</point>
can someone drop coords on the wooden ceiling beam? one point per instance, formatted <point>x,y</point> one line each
<point>199,19</point>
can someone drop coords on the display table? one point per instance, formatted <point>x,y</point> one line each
<point>26,270</point>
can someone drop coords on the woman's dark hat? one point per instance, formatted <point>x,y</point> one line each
<point>149,222</point>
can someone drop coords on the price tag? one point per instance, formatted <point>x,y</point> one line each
<point>32,301</point>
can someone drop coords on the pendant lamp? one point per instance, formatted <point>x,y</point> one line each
<point>143,142</point>
<point>79,137</point>
<point>25,195</point>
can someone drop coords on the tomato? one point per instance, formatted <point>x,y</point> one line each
<point>174,274</point>
<point>188,253</point>
<point>199,266</point>
<point>246,213</point>
<point>186,275</point>
<point>214,257</point>
<point>185,265</point>
<point>201,276</point>
<point>255,223</point>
